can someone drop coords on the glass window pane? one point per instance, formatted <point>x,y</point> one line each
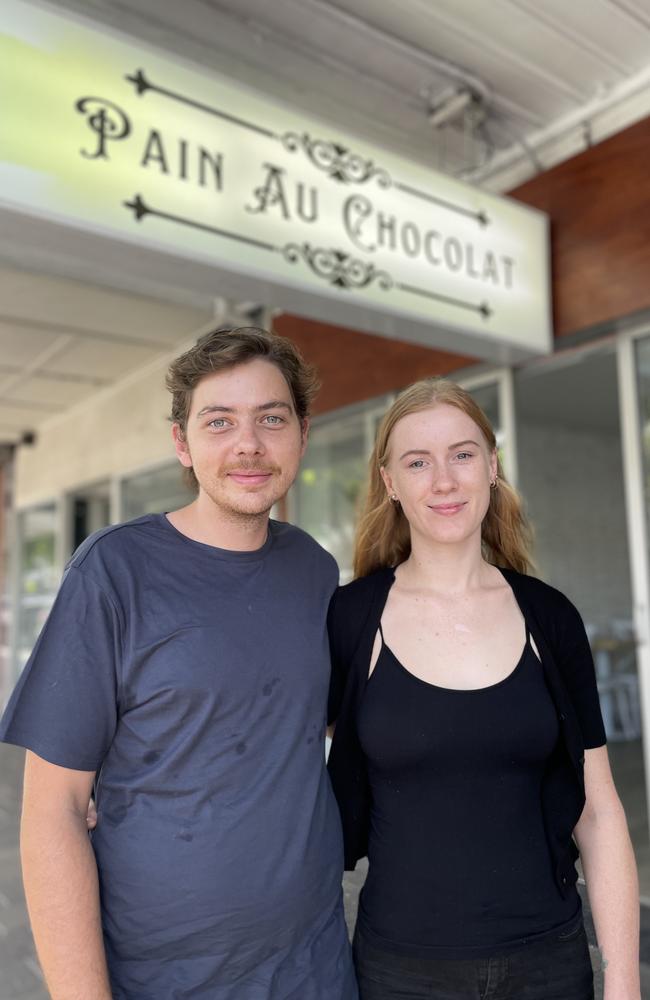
<point>329,484</point>
<point>38,576</point>
<point>487,397</point>
<point>37,565</point>
<point>155,492</point>
<point>571,477</point>
<point>89,510</point>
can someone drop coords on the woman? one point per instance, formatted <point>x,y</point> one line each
<point>468,756</point>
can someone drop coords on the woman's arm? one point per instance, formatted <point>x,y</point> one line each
<point>610,873</point>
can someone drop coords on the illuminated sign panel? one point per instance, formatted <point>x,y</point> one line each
<point>105,136</point>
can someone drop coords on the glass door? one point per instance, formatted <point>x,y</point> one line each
<point>572,434</point>
<point>87,510</point>
<point>634,381</point>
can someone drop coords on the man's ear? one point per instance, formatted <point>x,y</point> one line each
<point>181,447</point>
<point>304,435</point>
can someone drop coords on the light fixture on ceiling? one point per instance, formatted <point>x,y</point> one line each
<point>453,106</point>
<point>459,118</point>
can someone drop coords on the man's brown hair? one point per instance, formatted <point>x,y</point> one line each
<point>227,347</point>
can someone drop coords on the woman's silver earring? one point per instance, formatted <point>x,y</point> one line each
<point>494,482</point>
<point>394,498</point>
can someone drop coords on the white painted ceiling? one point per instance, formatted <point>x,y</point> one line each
<point>548,77</point>
<point>61,341</point>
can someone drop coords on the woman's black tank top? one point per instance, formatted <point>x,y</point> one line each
<point>459,863</point>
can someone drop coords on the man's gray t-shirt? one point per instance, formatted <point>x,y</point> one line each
<point>194,680</point>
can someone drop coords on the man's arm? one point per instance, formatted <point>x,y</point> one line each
<point>610,874</point>
<point>61,884</point>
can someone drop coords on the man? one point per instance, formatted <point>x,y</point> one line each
<point>183,672</point>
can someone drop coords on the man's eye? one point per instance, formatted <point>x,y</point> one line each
<point>217,423</point>
<point>274,419</point>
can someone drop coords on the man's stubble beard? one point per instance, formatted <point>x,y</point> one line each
<point>241,515</point>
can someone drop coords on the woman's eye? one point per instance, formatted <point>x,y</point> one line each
<point>464,454</point>
<point>418,463</point>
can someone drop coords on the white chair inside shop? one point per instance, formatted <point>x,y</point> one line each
<point>614,649</point>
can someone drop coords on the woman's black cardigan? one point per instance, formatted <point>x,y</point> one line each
<point>559,634</point>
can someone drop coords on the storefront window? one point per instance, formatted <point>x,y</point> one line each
<point>38,576</point>
<point>571,477</point>
<point>89,510</point>
<point>487,397</point>
<point>326,494</point>
<point>155,491</point>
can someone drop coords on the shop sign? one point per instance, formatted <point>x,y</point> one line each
<point>104,135</point>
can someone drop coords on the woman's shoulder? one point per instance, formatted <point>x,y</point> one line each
<point>544,599</point>
<point>352,603</point>
<point>359,592</point>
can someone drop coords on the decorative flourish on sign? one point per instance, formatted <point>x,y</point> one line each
<point>337,267</point>
<point>336,160</point>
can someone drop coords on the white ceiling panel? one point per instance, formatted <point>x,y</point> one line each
<point>76,307</point>
<point>589,23</point>
<point>505,58</point>
<point>23,416</point>
<point>636,10</point>
<point>48,393</point>
<point>96,358</point>
<point>509,48</point>
<point>19,345</point>
<point>522,38</point>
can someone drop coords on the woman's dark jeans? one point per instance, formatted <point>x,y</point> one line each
<point>557,968</point>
